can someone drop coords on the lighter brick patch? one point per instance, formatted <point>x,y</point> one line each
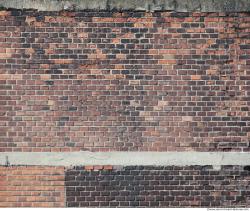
<point>45,77</point>
<point>51,102</point>
<point>5,13</point>
<point>34,186</point>
<point>195,77</point>
<point>211,72</point>
<point>5,55</point>
<point>168,56</point>
<point>10,77</point>
<point>134,82</point>
<point>187,118</point>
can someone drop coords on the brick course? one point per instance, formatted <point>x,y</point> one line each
<point>103,81</point>
<point>162,186</point>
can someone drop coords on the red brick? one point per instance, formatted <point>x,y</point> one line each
<point>123,81</point>
<point>108,167</point>
<point>25,186</point>
<point>88,168</point>
<point>195,77</point>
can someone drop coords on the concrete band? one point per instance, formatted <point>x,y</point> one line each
<point>124,158</point>
<point>134,5</point>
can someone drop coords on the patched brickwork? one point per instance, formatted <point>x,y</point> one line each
<point>148,186</point>
<point>24,186</point>
<point>104,81</point>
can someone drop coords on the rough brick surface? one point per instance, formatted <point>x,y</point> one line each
<point>103,81</point>
<point>24,186</point>
<point>169,186</point>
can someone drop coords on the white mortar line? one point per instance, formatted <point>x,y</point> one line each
<point>125,158</point>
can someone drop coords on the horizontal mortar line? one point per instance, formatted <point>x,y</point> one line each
<point>124,158</point>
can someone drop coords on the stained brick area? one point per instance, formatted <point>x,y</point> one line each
<point>147,186</point>
<point>103,81</point>
<point>32,186</point>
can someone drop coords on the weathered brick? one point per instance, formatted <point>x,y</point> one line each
<point>157,188</point>
<point>129,81</point>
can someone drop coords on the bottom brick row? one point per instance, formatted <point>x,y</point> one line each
<point>128,186</point>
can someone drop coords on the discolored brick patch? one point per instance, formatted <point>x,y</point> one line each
<point>23,186</point>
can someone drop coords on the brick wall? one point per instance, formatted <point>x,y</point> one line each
<point>162,186</point>
<point>33,186</point>
<point>124,81</point>
<point>104,81</point>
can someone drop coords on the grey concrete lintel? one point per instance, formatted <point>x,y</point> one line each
<point>124,158</point>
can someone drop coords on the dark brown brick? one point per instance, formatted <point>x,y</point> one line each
<point>195,191</point>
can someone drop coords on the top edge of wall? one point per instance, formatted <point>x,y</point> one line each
<point>130,5</point>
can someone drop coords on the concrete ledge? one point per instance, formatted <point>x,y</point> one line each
<point>124,158</point>
<point>134,5</point>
